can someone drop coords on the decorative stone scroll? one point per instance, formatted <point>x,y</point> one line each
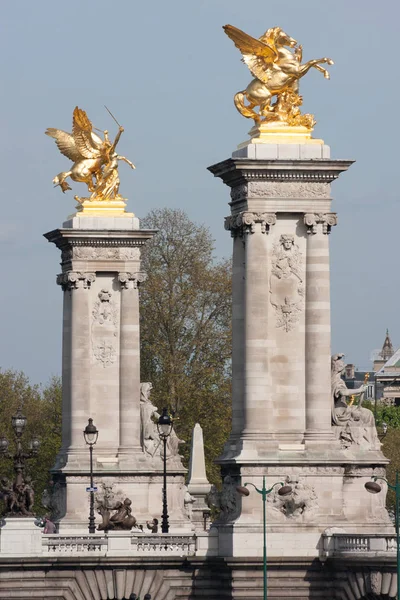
<point>131,280</point>
<point>104,329</point>
<point>328,220</point>
<point>245,222</point>
<point>72,280</point>
<point>286,283</point>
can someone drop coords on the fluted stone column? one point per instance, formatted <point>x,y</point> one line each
<point>129,364</point>
<point>318,328</point>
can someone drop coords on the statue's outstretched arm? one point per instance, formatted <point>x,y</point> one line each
<point>117,138</point>
<point>127,161</point>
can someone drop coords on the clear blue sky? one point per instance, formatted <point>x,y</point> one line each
<point>168,72</point>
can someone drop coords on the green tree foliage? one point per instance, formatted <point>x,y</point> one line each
<point>186,329</point>
<point>42,407</point>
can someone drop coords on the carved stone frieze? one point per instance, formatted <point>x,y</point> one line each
<point>288,189</point>
<point>104,329</point>
<point>245,222</point>
<point>292,470</point>
<point>131,280</point>
<point>286,282</point>
<point>104,253</point>
<point>311,221</point>
<point>73,280</point>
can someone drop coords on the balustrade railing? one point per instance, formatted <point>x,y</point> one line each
<point>65,544</point>
<point>177,545</point>
<point>337,544</point>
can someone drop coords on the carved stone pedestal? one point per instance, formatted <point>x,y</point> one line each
<point>100,280</point>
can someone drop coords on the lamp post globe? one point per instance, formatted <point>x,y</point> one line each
<point>18,423</point>
<point>90,434</point>
<point>164,427</point>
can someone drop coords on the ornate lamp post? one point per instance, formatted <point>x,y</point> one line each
<point>374,488</point>
<point>284,490</point>
<point>164,427</point>
<point>19,498</point>
<point>91,434</point>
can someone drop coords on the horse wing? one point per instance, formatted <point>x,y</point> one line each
<point>83,135</point>
<point>65,143</point>
<point>257,55</point>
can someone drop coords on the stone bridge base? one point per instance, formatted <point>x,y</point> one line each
<point>85,578</point>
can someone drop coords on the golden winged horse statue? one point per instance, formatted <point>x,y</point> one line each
<point>277,71</point>
<point>95,160</point>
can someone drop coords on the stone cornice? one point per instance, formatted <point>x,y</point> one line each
<point>241,170</point>
<point>98,238</point>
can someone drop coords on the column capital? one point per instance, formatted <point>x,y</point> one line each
<point>327,220</point>
<point>131,280</point>
<point>72,280</point>
<point>245,222</point>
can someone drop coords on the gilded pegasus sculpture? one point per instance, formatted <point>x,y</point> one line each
<point>95,159</point>
<point>277,71</point>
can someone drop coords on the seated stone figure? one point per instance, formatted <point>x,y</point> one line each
<point>355,425</point>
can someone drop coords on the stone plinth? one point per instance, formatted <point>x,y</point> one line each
<point>20,536</point>
<point>280,221</point>
<point>100,280</point>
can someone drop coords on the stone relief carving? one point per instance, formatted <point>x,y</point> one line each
<point>73,280</point>
<point>104,253</point>
<point>300,505</point>
<point>288,189</point>
<point>328,220</point>
<point>239,191</point>
<point>245,222</point>
<point>131,280</point>
<point>298,471</point>
<point>54,499</point>
<point>150,439</point>
<point>225,501</point>
<point>105,329</point>
<point>354,425</point>
<point>286,282</point>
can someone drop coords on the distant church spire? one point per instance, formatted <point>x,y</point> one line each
<point>387,348</point>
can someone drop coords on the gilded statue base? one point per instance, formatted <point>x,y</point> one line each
<point>279,133</point>
<point>102,208</point>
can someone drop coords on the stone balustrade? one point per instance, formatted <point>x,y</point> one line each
<point>374,544</point>
<point>121,543</point>
<point>73,544</point>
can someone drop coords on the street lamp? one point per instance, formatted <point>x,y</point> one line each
<point>91,434</point>
<point>19,498</point>
<point>164,427</point>
<point>284,490</point>
<point>374,488</point>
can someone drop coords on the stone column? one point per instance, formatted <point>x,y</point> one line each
<point>251,341</point>
<point>76,346</point>
<point>129,364</point>
<point>318,328</point>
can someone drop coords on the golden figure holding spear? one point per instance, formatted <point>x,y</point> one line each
<point>95,159</point>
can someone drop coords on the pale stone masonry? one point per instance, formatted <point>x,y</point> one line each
<point>280,221</point>
<point>101,276</point>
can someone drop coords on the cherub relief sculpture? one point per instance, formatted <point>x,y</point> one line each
<point>150,438</point>
<point>95,160</point>
<point>274,59</point>
<point>300,505</point>
<point>354,425</point>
